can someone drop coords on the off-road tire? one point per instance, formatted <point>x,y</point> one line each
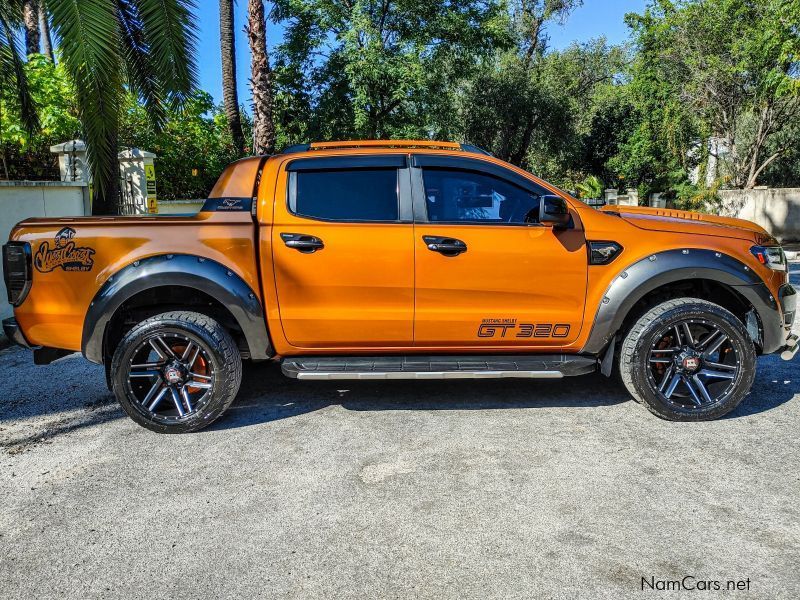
<point>637,343</point>
<point>218,345</point>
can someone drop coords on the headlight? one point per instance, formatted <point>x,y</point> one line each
<point>771,256</point>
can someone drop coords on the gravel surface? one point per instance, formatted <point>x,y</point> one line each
<point>491,489</point>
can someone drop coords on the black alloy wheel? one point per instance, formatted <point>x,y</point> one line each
<point>176,372</point>
<point>693,364</point>
<point>170,375</point>
<point>688,359</point>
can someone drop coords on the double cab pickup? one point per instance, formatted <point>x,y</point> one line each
<point>400,260</point>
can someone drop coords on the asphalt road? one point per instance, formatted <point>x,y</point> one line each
<point>507,489</point>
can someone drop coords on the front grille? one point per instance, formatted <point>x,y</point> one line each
<point>17,272</point>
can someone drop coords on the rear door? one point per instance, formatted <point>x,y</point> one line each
<point>487,273</point>
<point>343,251</point>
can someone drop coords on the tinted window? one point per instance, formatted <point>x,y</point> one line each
<point>346,195</point>
<point>466,196</point>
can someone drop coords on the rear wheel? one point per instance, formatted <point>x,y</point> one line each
<point>688,360</point>
<point>176,372</point>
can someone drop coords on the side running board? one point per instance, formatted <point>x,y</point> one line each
<point>541,366</point>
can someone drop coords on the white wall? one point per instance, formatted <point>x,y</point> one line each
<point>776,209</point>
<point>24,199</point>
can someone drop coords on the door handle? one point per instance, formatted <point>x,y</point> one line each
<point>302,242</point>
<point>444,245</point>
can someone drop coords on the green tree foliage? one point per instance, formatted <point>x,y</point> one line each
<point>192,147</point>
<point>529,20</point>
<point>26,154</point>
<point>546,114</point>
<point>508,107</point>
<point>379,68</point>
<point>108,46</point>
<point>189,139</point>
<point>701,81</point>
<point>590,188</point>
<point>584,79</point>
<point>12,68</point>
<point>722,69</point>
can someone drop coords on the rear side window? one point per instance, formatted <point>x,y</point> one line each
<point>454,196</point>
<point>345,195</point>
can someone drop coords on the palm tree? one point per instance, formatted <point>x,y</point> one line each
<point>44,28</point>
<point>260,79</point>
<point>105,45</point>
<point>230,95</point>
<point>31,14</point>
<point>12,72</point>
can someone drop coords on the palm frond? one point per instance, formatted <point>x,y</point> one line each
<point>91,52</point>
<point>171,36</point>
<point>140,77</point>
<point>12,67</point>
<point>11,11</point>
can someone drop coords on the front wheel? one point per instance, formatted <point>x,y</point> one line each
<point>688,360</point>
<point>176,372</point>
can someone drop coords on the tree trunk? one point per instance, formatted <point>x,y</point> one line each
<point>44,29</point>
<point>31,15</point>
<point>260,80</point>
<point>533,33</point>
<point>230,95</point>
<point>108,200</point>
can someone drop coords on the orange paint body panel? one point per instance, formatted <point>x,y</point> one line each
<point>357,292</point>
<point>526,276</point>
<point>377,287</point>
<point>54,312</point>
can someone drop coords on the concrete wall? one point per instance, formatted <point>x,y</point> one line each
<point>776,209</point>
<point>23,199</point>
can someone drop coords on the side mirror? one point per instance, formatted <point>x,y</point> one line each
<point>553,211</point>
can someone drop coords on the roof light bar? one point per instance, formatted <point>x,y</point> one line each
<point>354,144</point>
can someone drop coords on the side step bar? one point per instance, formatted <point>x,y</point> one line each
<point>550,366</point>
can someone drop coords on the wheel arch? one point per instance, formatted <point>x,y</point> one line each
<point>703,273</point>
<point>175,281</point>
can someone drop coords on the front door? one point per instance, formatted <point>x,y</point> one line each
<point>343,251</point>
<point>487,273</point>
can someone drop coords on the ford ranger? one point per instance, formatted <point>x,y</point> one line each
<point>400,260</point>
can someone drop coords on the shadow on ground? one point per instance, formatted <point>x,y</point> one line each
<point>266,395</point>
<point>82,400</point>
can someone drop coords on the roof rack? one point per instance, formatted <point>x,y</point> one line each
<point>431,144</point>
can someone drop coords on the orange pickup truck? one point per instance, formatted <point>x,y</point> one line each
<point>390,260</point>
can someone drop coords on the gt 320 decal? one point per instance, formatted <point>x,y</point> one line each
<point>490,328</point>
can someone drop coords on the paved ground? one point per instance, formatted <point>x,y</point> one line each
<point>394,490</point>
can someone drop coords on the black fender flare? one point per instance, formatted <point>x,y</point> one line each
<point>183,270</point>
<point>661,268</point>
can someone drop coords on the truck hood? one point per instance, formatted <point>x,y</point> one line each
<point>684,221</point>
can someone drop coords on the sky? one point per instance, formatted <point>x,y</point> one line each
<point>593,19</point>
